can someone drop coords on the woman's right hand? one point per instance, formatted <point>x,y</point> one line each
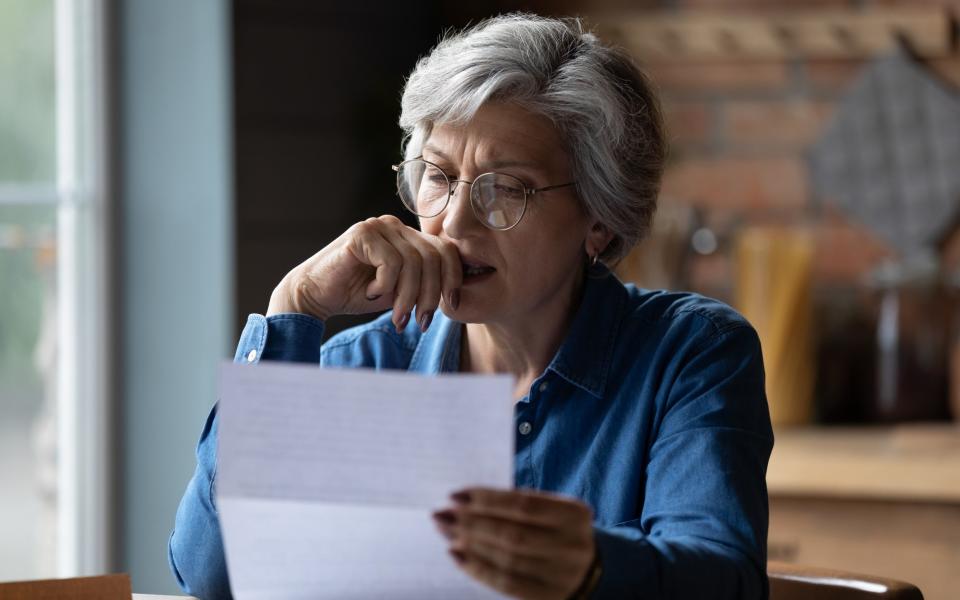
<point>377,264</point>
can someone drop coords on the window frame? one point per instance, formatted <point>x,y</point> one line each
<point>85,431</point>
<point>82,200</point>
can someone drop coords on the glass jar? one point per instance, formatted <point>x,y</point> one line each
<point>912,312</point>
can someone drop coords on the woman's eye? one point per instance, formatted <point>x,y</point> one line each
<point>509,190</point>
<point>435,177</point>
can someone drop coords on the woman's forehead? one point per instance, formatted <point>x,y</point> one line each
<point>499,134</point>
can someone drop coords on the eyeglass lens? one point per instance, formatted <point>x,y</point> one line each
<point>498,200</point>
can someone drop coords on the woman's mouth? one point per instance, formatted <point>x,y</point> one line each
<point>473,272</point>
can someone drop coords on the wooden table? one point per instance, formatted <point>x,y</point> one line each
<point>909,462</point>
<point>884,501</point>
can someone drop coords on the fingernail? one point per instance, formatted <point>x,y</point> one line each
<point>455,299</point>
<point>458,556</point>
<point>462,497</point>
<point>372,298</point>
<point>446,517</point>
<point>402,323</point>
<point>425,319</point>
<point>447,532</point>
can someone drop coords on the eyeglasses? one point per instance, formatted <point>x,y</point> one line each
<point>498,200</point>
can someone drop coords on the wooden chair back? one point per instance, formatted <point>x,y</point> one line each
<point>794,582</point>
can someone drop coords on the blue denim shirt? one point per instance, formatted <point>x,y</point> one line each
<point>653,412</point>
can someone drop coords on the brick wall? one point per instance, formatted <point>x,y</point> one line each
<point>739,131</point>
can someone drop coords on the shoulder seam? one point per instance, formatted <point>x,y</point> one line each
<point>717,325</point>
<point>721,331</point>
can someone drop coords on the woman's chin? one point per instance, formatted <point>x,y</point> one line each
<point>467,312</point>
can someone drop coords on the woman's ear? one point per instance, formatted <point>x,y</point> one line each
<point>598,238</point>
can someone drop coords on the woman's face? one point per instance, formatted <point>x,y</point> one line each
<point>538,262</point>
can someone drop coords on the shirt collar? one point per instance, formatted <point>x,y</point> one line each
<point>586,353</point>
<point>438,350</point>
<point>584,356</point>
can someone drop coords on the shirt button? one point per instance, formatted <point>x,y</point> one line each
<point>544,386</point>
<point>525,428</point>
<point>251,356</point>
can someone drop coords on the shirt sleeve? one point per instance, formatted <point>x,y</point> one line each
<point>195,548</point>
<point>703,529</point>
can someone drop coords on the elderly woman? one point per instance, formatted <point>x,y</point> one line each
<point>532,159</point>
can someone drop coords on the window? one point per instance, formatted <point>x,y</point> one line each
<point>53,290</point>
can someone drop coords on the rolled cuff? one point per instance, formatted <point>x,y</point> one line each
<point>628,564</point>
<point>288,337</point>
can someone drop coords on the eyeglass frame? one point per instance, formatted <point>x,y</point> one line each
<point>452,188</point>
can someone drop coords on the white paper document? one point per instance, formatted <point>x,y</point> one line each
<point>326,478</point>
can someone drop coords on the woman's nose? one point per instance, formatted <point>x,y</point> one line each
<point>458,216</point>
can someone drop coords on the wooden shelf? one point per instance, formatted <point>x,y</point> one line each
<point>685,35</point>
<point>907,462</point>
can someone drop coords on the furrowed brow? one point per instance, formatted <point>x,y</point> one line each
<point>434,150</point>
<point>497,163</point>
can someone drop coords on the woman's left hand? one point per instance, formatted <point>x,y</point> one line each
<point>524,543</point>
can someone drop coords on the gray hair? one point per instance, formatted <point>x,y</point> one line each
<point>601,103</point>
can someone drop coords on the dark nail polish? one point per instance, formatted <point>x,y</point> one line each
<point>372,298</point>
<point>461,497</point>
<point>403,322</point>
<point>425,319</point>
<point>446,517</point>
<point>455,299</point>
<point>458,556</point>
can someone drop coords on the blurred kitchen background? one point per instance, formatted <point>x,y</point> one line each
<point>163,164</point>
